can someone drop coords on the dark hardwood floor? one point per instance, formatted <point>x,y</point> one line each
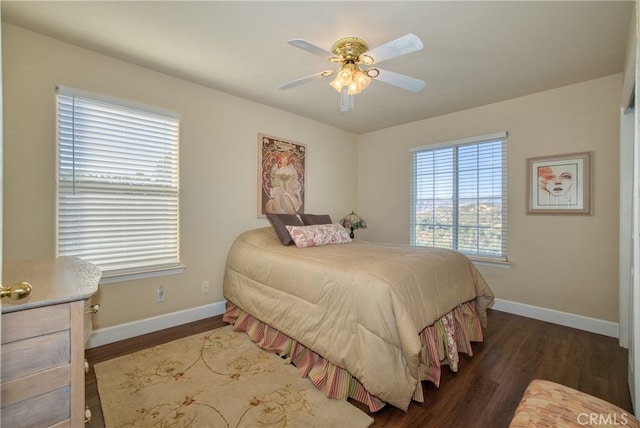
<point>487,387</point>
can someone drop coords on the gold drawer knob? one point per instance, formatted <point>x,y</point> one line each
<point>86,366</point>
<point>87,416</point>
<point>93,309</point>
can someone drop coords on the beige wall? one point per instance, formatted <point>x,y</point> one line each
<point>566,263</point>
<point>218,158</point>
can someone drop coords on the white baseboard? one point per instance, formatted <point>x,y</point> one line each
<point>593,325</point>
<point>104,336</point>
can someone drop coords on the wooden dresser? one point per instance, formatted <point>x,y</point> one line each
<point>43,339</point>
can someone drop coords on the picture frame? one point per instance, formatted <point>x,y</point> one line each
<point>559,184</point>
<point>281,175</point>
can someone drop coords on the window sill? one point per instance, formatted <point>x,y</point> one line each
<point>479,261</point>
<point>142,273</point>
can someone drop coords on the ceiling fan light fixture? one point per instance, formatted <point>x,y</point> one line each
<point>351,52</point>
<point>353,88</point>
<point>335,84</point>
<point>359,82</point>
<point>345,75</point>
<point>353,77</point>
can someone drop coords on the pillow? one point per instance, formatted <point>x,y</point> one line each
<point>279,222</point>
<point>309,219</point>
<point>318,234</point>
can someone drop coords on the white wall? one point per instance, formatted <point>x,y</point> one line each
<point>218,161</point>
<point>565,263</point>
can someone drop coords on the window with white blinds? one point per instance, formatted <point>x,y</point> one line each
<point>459,196</point>
<point>118,192</point>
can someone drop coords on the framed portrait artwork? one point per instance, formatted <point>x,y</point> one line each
<point>281,176</point>
<point>559,184</point>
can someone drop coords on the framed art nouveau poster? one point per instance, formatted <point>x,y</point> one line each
<point>281,176</point>
<point>559,184</point>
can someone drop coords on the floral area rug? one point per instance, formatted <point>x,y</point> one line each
<point>215,379</point>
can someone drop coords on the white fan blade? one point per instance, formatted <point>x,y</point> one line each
<point>310,47</point>
<point>400,46</point>
<point>306,79</point>
<point>400,80</point>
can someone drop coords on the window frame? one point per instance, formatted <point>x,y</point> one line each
<point>172,264</point>
<point>481,258</point>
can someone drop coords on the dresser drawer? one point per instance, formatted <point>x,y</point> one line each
<point>24,388</point>
<point>40,411</point>
<point>35,322</point>
<point>29,356</point>
<point>35,340</point>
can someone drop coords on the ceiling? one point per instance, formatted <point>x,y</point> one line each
<point>475,53</point>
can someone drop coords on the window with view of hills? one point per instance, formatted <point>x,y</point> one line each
<point>459,197</point>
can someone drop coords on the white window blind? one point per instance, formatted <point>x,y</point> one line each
<point>459,196</point>
<point>118,192</point>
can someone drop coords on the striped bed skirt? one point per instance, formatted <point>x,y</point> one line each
<point>441,344</point>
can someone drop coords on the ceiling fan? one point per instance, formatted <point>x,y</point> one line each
<point>356,61</point>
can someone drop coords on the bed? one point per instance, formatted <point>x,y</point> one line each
<point>361,319</point>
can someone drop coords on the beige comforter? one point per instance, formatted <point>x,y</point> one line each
<point>360,305</point>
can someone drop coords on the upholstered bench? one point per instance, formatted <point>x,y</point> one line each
<point>548,404</point>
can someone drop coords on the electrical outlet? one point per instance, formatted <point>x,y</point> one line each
<point>160,294</point>
<point>204,287</point>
